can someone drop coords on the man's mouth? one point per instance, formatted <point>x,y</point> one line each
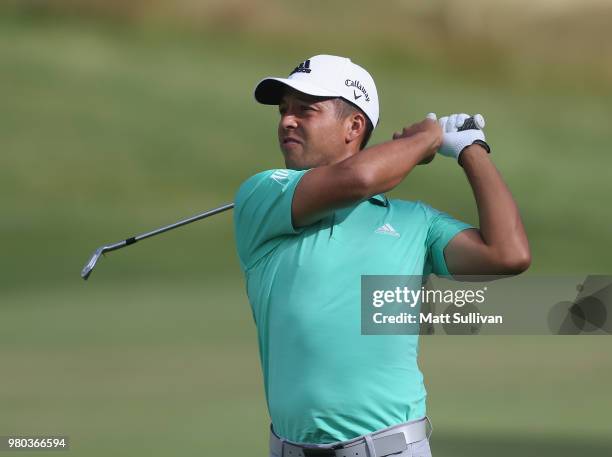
<point>290,140</point>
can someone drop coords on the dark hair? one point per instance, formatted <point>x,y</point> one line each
<point>345,108</point>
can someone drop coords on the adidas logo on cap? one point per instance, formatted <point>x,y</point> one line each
<point>304,67</point>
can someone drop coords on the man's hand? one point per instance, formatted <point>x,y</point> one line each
<point>454,141</point>
<point>429,127</point>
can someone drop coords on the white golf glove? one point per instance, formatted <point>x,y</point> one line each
<point>453,140</point>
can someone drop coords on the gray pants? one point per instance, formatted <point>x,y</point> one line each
<point>415,434</point>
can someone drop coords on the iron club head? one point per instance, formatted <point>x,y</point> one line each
<point>87,269</point>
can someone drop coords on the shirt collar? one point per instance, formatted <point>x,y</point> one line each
<point>379,200</point>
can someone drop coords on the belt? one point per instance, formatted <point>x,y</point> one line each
<point>381,443</point>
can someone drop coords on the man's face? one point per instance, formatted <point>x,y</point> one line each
<point>309,131</point>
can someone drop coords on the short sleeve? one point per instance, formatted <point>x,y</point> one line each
<point>262,213</point>
<point>442,228</point>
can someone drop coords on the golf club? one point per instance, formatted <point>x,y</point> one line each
<point>87,269</point>
<point>474,122</point>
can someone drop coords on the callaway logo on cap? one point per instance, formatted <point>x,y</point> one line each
<point>325,76</point>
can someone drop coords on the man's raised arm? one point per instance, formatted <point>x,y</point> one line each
<point>499,246</point>
<point>369,172</point>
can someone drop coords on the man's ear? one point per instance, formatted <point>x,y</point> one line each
<point>356,125</point>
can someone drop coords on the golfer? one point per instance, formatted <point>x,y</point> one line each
<point>307,232</point>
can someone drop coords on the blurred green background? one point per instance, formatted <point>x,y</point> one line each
<point>119,117</point>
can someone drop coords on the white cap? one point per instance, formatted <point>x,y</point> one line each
<point>325,76</point>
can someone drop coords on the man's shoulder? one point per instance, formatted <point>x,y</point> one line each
<point>262,212</point>
<point>415,210</point>
<point>267,186</point>
<point>257,182</point>
<point>275,178</point>
<point>409,205</point>
<point>253,180</point>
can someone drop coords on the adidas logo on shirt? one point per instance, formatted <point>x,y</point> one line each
<point>280,176</point>
<point>387,229</point>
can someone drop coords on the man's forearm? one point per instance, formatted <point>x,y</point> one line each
<point>501,227</point>
<point>384,166</point>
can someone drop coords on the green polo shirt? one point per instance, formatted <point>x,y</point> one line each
<point>324,381</point>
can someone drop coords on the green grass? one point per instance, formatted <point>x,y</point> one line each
<point>172,367</point>
<point>132,368</point>
<point>107,132</point>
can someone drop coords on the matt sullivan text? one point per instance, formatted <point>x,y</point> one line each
<point>430,318</point>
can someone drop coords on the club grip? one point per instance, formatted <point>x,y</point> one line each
<point>475,122</point>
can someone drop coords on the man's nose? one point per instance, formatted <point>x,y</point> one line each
<point>288,121</point>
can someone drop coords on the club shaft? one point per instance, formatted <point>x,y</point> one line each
<point>189,220</point>
<point>88,268</point>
